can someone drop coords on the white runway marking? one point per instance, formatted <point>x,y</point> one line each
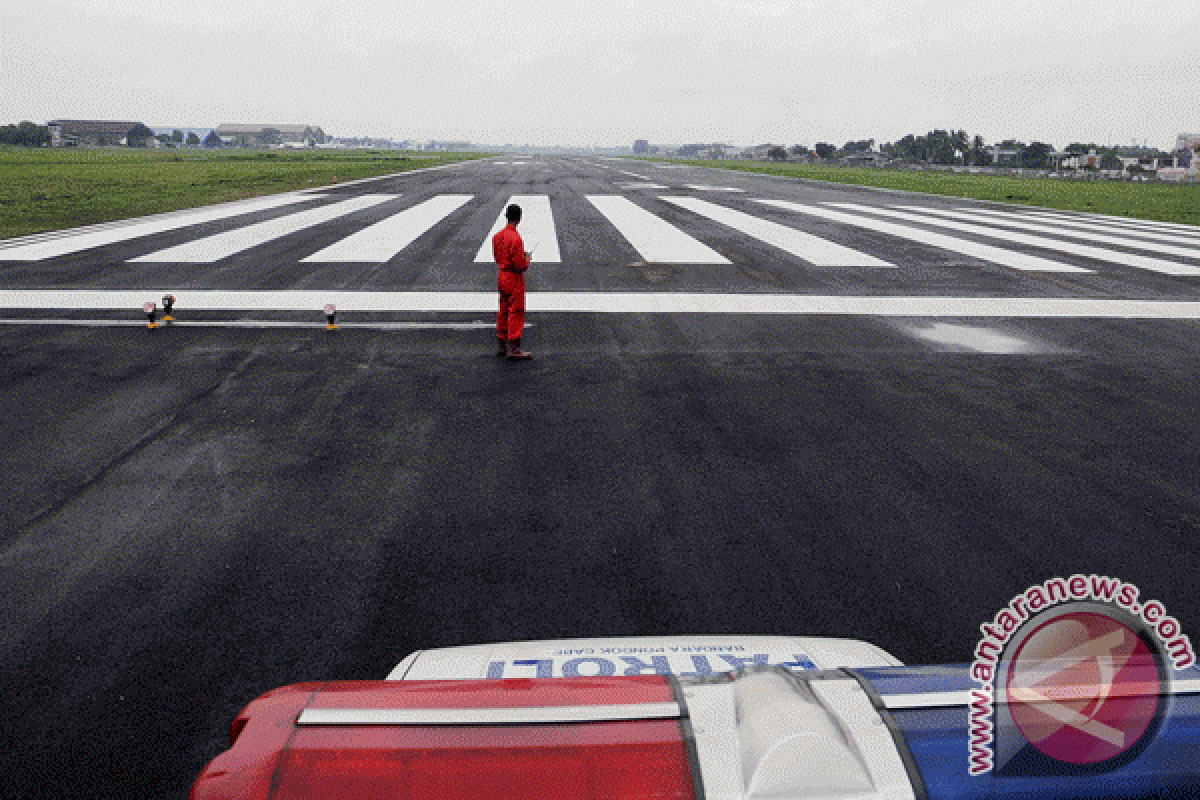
<point>1150,224</point>
<point>379,242</point>
<point>984,252</point>
<point>536,229</point>
<point>223,245</point>
<point>706,188</point>
<point>641,186</point>
<point>1057,230</point>
<point>803,245</point>
<point>1080,224</point>
<point>58,243</point>
<point>630,174</point>
<point>478,325</point>
<point>191,300</point>
<point>1098,253</point>
<point>655,239</point>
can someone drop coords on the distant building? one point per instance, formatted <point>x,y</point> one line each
<point>1003,156</point>
<point>865,158</point>
<point>262,135</point>
<point>88,132</point>
<point>759,151</point>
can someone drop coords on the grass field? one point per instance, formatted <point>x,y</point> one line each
<point>45,189</point>
<point>1167,202</point>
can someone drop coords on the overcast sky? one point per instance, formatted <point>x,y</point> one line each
<point>605,72</point>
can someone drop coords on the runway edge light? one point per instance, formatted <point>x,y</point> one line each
<point>331,317</point>
<point>148,308</point>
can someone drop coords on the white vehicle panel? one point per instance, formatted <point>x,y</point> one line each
<point>679,655</point>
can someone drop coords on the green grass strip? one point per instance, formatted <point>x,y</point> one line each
<point>43,189</point>
<point>1166,202</point>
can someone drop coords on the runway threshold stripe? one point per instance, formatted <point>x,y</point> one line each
<point>1082,225</point>
<point>1123,222</point>
<point>223,245</point>
<point>992,218</point>
<point>379,242</point>
<point>536,229</point>
<point>59,243</point>
<point>654,238</point>
<point>1098,253</point>
<point>189,301</point>
<point>984,252</point>
<point>812,249</point>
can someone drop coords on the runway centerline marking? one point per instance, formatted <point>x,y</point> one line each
<point>984,252</point>
<point>191,300</point>
<point>222,245</point>
<point>813,249</point>
<point>377,243</point>
<point>654,238</point>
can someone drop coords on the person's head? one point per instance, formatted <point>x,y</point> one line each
<point>513,214</point>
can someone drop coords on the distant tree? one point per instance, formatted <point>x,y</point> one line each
<point>165,138</point>
<point>177,136</point>
<point>799,150</point>
<point>978,153</point>
<point>940,147</point>
<point>1110,160</point>
<point>1079,149</point>
<point>138,136</point>
<point>1036,155</point>
<point>962,145</point>
<point>193,139</point>
<point>777,153</point>
<point>26,134</point>
<point>862,146</point>
<point>273,136</point>
<point>825,151</point>
<point>212,140</point>
<point>640,146</point>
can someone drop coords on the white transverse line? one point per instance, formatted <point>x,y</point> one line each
<point>536,229</point>
<point>1081,223</point>
<point>1141,224</point>
<point>1098,253</point>
<point>633,185</point>
<point>705,188</point>
<point>811,248</point>
<point>654,238</point>
<point>984,252</point>
<point>72,241</point>
<point>1100,238</point>
<point>187,300</point>
<point>71,322</point>
<point>223,245</point>
<point>379,242</point>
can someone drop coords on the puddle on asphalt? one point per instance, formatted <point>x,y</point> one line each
<point>970,337</point>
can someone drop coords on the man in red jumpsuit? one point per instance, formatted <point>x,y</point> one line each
<point>511,261</point>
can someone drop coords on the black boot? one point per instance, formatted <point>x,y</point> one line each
<point>501,346</point>
<point>515,353</point>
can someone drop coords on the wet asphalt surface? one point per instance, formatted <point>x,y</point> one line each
<point>196,515</point>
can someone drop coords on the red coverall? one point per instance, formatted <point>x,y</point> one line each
<point>509,252</point>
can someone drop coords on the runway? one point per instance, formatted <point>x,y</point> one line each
<point>756,406</point>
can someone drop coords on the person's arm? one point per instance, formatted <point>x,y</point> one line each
<point>520,256</point>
